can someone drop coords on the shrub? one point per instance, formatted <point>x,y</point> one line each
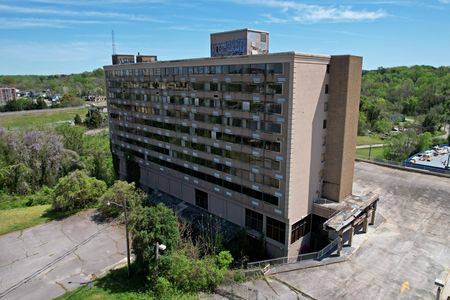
<point>224,259</point>
<point>77,191</point>
<point>193,275</point>
<point>151,225</point>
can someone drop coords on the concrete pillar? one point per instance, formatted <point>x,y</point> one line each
<point>339,245</point>
<point>374,210</point>
<point>351,231</point>
<point>365,223</point>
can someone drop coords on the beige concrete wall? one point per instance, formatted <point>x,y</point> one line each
<point>343,110</point>
<point>306,131</point>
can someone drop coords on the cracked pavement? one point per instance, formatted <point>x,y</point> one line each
<point>47,260</point>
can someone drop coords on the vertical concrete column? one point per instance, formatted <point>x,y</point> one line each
<point>339,245</point>
<point>374,210</point>
<point>342,126</point>
<point>351,232</point>
<point>365,223</point>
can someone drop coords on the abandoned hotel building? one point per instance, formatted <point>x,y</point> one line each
<point>264,140</point>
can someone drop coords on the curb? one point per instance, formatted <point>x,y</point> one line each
<point>403,168</point>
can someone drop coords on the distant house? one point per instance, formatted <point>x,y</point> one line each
<point>7,94</point>
<point>96,98</point>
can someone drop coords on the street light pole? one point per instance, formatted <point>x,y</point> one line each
<point>128,240</point>
<point>125,211</point>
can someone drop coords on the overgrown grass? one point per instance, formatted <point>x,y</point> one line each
<point>24,217</point>
<point>40,118</point>
<point>117,285</point>
<point>376,152</point>
<point>368,139</point>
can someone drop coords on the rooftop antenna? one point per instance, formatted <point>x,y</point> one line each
<point>113,43</point>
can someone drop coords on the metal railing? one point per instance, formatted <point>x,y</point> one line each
<point>263,264</point>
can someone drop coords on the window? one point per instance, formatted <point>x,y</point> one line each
<point>275,68</point>
<point>235,69</point>
<point>326,88</point>
<point>201,199</point>
<point>324,124</point>
<point>253,220</point>
<point>328,69</point>
<point>275,230</point>
<point>300,228</point>
<point>246,106</point>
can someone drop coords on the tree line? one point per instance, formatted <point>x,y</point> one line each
<point>390,95</point>
<point>80,85</point>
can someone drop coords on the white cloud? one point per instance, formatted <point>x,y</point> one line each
<point>17,23</point>
<point>311,13</point>
<point>75,13</point>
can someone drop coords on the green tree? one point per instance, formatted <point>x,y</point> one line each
<point>94,119</point>
<point>77,191</point>
<point>362,124</point>
<point>383,125</point>
<point>97,158</point>
<point>72,137</point>
<point>400,146</point>
<point>424,141</point>
<point>68,100</point>
<point>77,120</point>
<point>121,192</point>
<point>151,225</point>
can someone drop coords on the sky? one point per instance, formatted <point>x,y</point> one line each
<point>72,36</point>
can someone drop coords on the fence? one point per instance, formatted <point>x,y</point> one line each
<point>293,259</point>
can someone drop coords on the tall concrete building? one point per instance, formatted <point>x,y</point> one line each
<point>255,139</point>
<point>7,94</point>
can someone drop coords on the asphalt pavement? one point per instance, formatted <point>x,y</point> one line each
<point>47,260</point>
<point>399,258</point>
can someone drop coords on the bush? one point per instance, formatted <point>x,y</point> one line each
<point>77,191</point>
<point>151,225</point>
<point>224,259</point>
<point>77,120</point>
<point>194,275</point>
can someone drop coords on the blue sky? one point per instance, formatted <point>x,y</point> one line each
<point>70,36</point>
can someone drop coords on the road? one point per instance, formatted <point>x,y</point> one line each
<point>368,146</point>
<point>399,259</point>
<point>47,260</point>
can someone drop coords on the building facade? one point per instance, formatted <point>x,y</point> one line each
<point>254,139</point>
<point>7,94</point>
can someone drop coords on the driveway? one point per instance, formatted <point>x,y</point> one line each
<point>399,259</point>
<point>45,261</point>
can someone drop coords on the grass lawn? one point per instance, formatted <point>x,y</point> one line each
<point>40,118</point>
<point>376,152</point>
<point>368,139</point>
<point>117,285</point>
<point>21,218</point>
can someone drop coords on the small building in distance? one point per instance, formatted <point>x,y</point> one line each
<point>96,98</point>
<point>7,94</point>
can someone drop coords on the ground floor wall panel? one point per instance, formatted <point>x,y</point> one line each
<point>183,187</point>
